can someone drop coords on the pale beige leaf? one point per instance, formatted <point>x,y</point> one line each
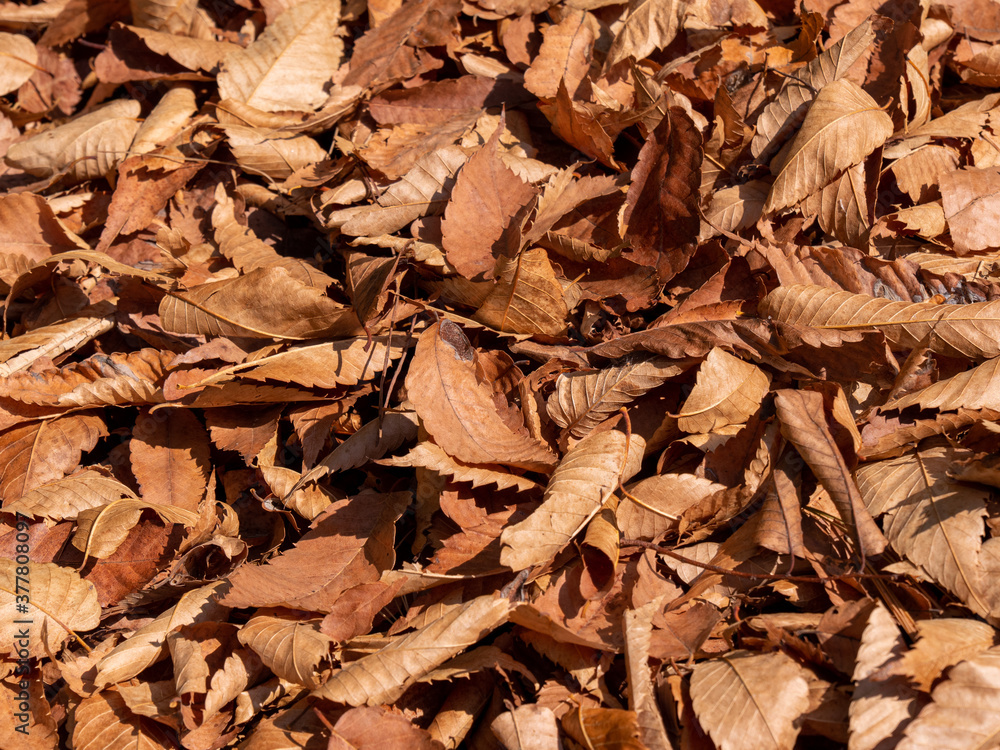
<point>242,246</point>
<point>60,602</point>
<point>879,707</point>
<point>971,330</point>
<point>19,352</point>
<point>29,228</point>
<point>430,456</point>
<point>290,65</point>
<point>582,400</point>
<point>941,644</point>
<point>264,303</point>
<point>104,722</point>
<point>458,410</point>
<point>385,675</point>
<point>785,113</point>
<point>18,59</point>
<point>423,190</point>
<point>843,126</point>
<point>148,644</point>
<point>565,55</point>
<point>750,701</point>
<point>728,392</point>
<point>191,52</point>
<point>68,497</point>
<point>976,388</point>
<point>292,649</point>
<point>964,711</point>
<point>936,523</point>
<point>86,147</point>
<point>272,153</point>
<point>169,116</point>
<point>175,16</point>
<point>101,531</point>
<point>658,502</point>
<point>581,484</point>
<point>638,630</point>
<point>527,727</point>
<point>527,297</point>
<point>650,25</point>
<point>737,207</point>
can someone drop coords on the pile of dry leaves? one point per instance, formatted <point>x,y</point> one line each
<point>499,373</point>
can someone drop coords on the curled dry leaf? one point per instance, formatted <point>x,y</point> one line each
<point>385,675</point>
<point>747,700</point>
<point>430,456</point>
<point>527,727</point>
<point>976,388</point>
<point>100,531</point>
<point>581,484</point>
<point>292,649</point>
<point>19,61</point>
<point>953,330</point>
<point>941,644</point>
<point>527,297</point>
<point>70,496</point>
<point>458,411</point>
<point>104,722</point>
<point>728,392</point>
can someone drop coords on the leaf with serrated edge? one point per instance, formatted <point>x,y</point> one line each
<point>385,675</point>
<point>292,649</point>
<point>68,497</point>
<point>430,456</point>
<point>581,484</point>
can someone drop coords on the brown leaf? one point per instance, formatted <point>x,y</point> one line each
<point>971,200</point>
<point>458,411</point>
<point>567,48</point>
<point>582,482</point>
<point>486,198</point>
<point>170,458</point>
<point>728,392</point>
<point>527,296</point>
<point>650,25</point>
<point>292,649</point>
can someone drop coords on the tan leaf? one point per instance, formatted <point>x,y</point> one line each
<point>638,630</point>
<point>941,644</point>
<point>86,147</point>
<point>747,700</point>
<point>193,53</point>
<point>565,55</point>
<point>803,423</point>
<point>241,245</point>
<point>789,107</point>
<point>36,453</point>
<point>527,297</point>
<point>17,63</point>
<point>423,190</point>
<point>290,65</point>
<point>29,227</point>
<point>101,531</point>
<point>658,503</point>
<point>650,25</point>
<point>527,727</point>
<point>603,727</point>
<point>842,207</point>
<point>582,400</point>
<point>104,722</point>
<point>120,379</point>
<point>485,200</point>
<point>170,458</point>
<point>971,199</point>
<point>964,709</point>
<point>50,341</point>
<point>325,365</point>
<point>148,644</point>
<point>728,392</point>
<point>936,523</point>
<point>264,303</point>
<point>292,649</point>
<point>738,207</point>
<point>60,602</point>
<point>843,125</point>
<point>976,388</point>
<point>271,153</point>
<point>385,675</point>
<point>68,497</point>
<point>582,482</point>
<point>971,330</point>
<point>458,411</point>
<point>430,456</point>
<point>879,707</point>
<point>375,727</point>
<point>350,543</point>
